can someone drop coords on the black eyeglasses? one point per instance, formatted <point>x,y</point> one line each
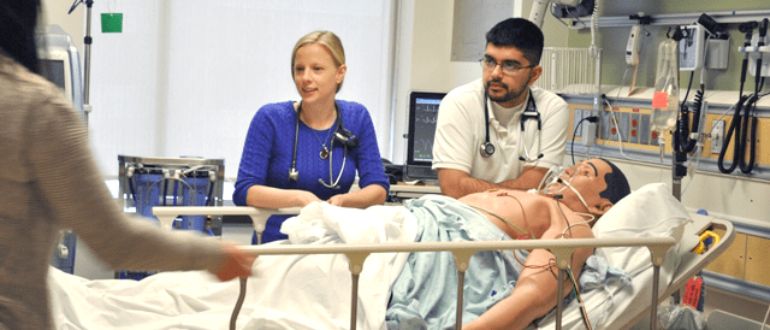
<point>508,67</point>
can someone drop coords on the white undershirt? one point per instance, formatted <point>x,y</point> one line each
<point>504,115</point>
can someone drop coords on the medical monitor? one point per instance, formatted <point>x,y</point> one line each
<point>423,113</point>
<point>60,64</point>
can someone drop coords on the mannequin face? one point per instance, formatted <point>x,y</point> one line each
<point>587,180</point>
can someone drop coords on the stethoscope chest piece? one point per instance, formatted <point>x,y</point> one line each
<point>487,149</point>
<point>345,137</point>
<point>293,174</point>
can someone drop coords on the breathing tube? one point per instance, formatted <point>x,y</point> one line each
<point>744,121</point>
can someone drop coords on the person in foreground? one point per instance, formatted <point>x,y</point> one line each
<point>297,152</point>
<point>503,290</point>
<point>50,181</point>
<point>501,131</point>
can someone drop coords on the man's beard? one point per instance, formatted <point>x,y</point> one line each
<point>510,95</point>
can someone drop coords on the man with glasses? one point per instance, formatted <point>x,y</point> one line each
<point>500,131</point>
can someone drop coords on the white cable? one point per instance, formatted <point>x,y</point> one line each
<point>765,318</point>
<point>698,151</point>
<point>620,134</point>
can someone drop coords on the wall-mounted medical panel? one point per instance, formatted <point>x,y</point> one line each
<point>625,124</point>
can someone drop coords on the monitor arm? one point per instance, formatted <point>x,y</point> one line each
<point>540,7</point>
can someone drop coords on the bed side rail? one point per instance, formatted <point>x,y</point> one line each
<point>462,251</point>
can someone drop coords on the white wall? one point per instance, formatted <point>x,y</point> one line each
<point>186,77</point>
<point>741,200</point>
<point>55,12</point>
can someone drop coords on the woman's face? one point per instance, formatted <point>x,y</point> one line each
<point>315,74</point>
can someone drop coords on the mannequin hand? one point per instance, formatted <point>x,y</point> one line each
<point>236,263</point>
<point>304,198</point>
<point>337,200</point>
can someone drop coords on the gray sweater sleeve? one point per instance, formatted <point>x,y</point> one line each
<point>74,192</point>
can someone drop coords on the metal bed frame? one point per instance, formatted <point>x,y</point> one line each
<point>462,251</point>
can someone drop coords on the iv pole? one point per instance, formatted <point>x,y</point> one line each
<point>87,40</point>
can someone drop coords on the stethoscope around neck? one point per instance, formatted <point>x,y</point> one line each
<point>487,149</point>
<point>341,135</point>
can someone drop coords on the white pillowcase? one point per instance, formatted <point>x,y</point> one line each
<point>650,211</point>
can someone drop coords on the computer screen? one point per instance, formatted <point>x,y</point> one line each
<point>423,113</point>
<point>60,64</point>
<point>53,70</point>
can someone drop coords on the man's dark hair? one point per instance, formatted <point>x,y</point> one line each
<point>18,20</point>
<point>617,184</point>
<point>521,34</point>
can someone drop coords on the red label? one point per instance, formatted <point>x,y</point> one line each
<point>660,100</point>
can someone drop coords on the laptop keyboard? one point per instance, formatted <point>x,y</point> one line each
<point>420,173</point>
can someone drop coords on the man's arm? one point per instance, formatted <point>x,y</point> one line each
<point>535,292</point>
<point>456,183</point>
<point>529,178</point>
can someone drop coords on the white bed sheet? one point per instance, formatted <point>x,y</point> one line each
<point>294,292</point>
<point>288,291</point>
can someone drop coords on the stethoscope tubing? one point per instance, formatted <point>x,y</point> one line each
<point>530,112</point>
<point>333,183</point>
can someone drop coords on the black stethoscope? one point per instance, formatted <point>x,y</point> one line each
<point>530,112</point>
<point>341,135</point>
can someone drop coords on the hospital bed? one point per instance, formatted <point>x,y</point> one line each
<point>649,217</point>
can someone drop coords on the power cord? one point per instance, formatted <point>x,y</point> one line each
<point>591,119</point>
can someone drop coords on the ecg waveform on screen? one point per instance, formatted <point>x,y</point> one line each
<point>424,131</point>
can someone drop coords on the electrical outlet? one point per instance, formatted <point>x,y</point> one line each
<point>717,136</point>
<point>644,130</point>
<point>623,122</point>
<point>577,116</point>
<point>604,125</point>
<point>588,131</point>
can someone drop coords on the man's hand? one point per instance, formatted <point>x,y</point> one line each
<point>236,264</point>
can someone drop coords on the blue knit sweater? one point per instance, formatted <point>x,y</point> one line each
<point>267,156</point>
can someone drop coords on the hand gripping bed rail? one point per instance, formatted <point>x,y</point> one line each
<point>462,251</point>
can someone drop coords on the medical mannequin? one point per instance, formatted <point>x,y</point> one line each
<point>501,131</point>
<point>501,291</point>
<point>50,181</point>
<point>312,149</point>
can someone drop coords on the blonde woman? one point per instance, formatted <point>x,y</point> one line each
<point>297,152</point>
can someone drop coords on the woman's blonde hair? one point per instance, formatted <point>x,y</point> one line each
<point>324,38</point>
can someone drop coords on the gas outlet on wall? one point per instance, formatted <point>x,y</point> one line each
<point>717,136</point>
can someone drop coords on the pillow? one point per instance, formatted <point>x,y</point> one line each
<point>650,211</point>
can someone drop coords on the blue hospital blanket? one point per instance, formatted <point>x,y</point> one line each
<point>424,295</point>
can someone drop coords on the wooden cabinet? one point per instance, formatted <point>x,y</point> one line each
<point>732,262</point>
<point>758,260</point>
<point>748,258</point>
